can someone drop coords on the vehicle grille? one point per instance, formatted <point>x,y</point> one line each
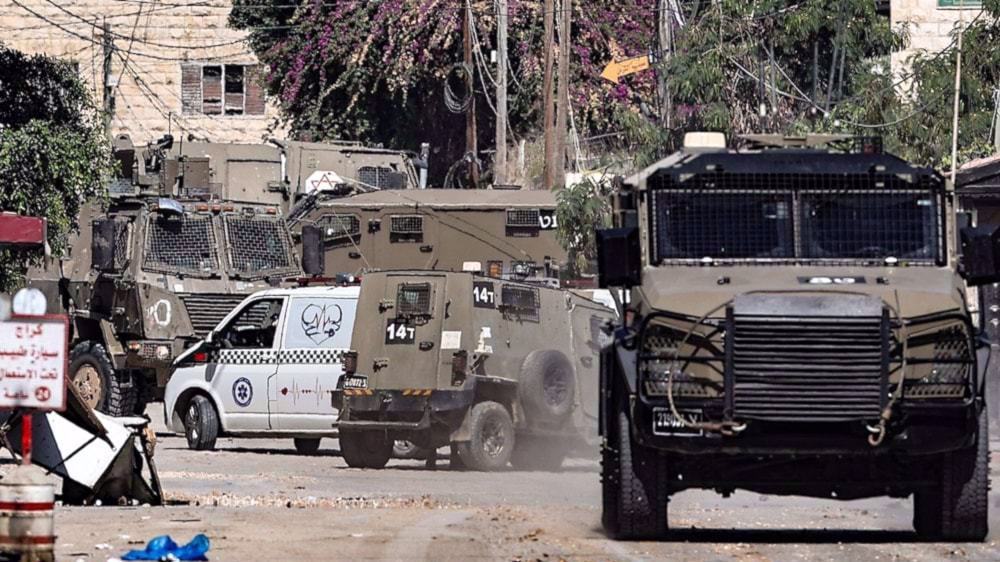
<point>207,310</point>
<point>807,368</point>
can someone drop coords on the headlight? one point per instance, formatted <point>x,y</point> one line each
<point>163,352</point>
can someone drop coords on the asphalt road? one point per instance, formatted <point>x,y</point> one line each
<point>259,500</point>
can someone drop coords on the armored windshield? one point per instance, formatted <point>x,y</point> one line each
<point>184,244</point>
<point>792,224</point>
<point>258,247</point>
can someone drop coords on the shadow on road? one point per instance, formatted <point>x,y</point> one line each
<point>790,536</point>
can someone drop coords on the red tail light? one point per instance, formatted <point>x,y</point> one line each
<point>200,357</point>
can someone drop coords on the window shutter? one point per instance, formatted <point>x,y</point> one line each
<point>254,90</point>
<point>190,88</point>
<point>211,90</point>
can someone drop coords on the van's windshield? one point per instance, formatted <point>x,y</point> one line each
<point>793,225</point>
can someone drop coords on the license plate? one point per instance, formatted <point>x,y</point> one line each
<point>665,423</point>
<point>355,381</point>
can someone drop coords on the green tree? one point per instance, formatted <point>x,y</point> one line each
<point>581,209</point>
<point>53,152</point>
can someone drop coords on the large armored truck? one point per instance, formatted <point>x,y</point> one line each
<point>510,233</point>
<point>161,262</point>
<point>503,371</point>
<point>797,324</point>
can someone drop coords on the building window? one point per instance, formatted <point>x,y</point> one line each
<point>221,89</point>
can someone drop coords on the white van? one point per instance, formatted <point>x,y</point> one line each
<point>267,370</point>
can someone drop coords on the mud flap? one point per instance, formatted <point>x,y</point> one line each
<point>464,431</point>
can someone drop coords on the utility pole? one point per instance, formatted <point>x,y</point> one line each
<point>470,116</point>
<point>548,13</point>
<point>958,89</point>
<point>665,43</point>
<point>562,96</point>
<point>500,161</point>
<point>109,91</point>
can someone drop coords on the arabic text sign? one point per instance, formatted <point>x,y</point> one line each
<point>33,363</point>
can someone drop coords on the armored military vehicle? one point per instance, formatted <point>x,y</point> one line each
<point>797,325</point>
<point>162,262</point>
<point>509,232</point>
<point>504,371</point>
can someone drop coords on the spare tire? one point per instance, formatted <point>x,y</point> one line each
<point>547,388</point>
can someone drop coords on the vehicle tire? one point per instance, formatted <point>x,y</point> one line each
<point>100,386</point>
<point>547,389</point>
<point>307,445</point>
<point>534,453</point>
<point>365,449</point>
<point>201,424</point>
<point>634,488</point>
<point>402,449</point>
<point>491,439</point>
<point>957,510</point>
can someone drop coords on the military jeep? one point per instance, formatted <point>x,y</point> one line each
<point>797,324</point>
<point>501,370</point>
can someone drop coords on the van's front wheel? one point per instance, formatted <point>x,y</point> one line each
<point>201,424</point>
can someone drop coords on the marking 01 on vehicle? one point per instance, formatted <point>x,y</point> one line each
<point>242,392</point>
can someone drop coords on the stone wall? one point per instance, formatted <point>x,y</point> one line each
<point>147,89</point>
<point>930,24</point>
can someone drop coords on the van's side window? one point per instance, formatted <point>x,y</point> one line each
<point>253,327</point>
<point>318,322</point>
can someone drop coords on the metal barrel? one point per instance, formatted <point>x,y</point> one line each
<point>27,520</point>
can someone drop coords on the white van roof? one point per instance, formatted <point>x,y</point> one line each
<point>348,292</point>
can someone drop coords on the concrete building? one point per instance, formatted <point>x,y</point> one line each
<point>929,25</point>
<point>169,66</point>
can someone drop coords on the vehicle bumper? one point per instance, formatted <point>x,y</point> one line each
<point>402,410</point>
<point>914,429</point>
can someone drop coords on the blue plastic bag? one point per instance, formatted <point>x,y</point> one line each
<point>161,547</point>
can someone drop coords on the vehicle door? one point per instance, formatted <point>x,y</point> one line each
<point>246,363</point>
<point>316,334</point>
<point>412,239</point>
<point>411,338</point>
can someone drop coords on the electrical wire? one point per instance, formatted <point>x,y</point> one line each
<point>455,103</point>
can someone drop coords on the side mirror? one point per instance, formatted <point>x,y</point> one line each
<point>313,256</point>
<point>980,263</point>
<point>102,245</point>
<point>619,263</point>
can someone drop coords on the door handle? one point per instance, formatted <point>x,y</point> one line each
<point>426,345</point>
<point>427,249</point>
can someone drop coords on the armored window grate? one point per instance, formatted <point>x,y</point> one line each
<point>522,302</point>
<point>809,217</point>
<point>123,232</point>
<point>522,218</point>
<point>181,245</point>
<point>258,246</point>
<point>339,229</point>
<point>522,222</point>
<point>375,176</point>
<point>413,299</point>
<point>406,228</point>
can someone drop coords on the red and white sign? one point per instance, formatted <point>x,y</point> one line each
<point>33,362</point>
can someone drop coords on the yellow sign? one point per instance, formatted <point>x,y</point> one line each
<point>618,68</point>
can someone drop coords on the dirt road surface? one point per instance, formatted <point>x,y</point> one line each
<point>259,500</point>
